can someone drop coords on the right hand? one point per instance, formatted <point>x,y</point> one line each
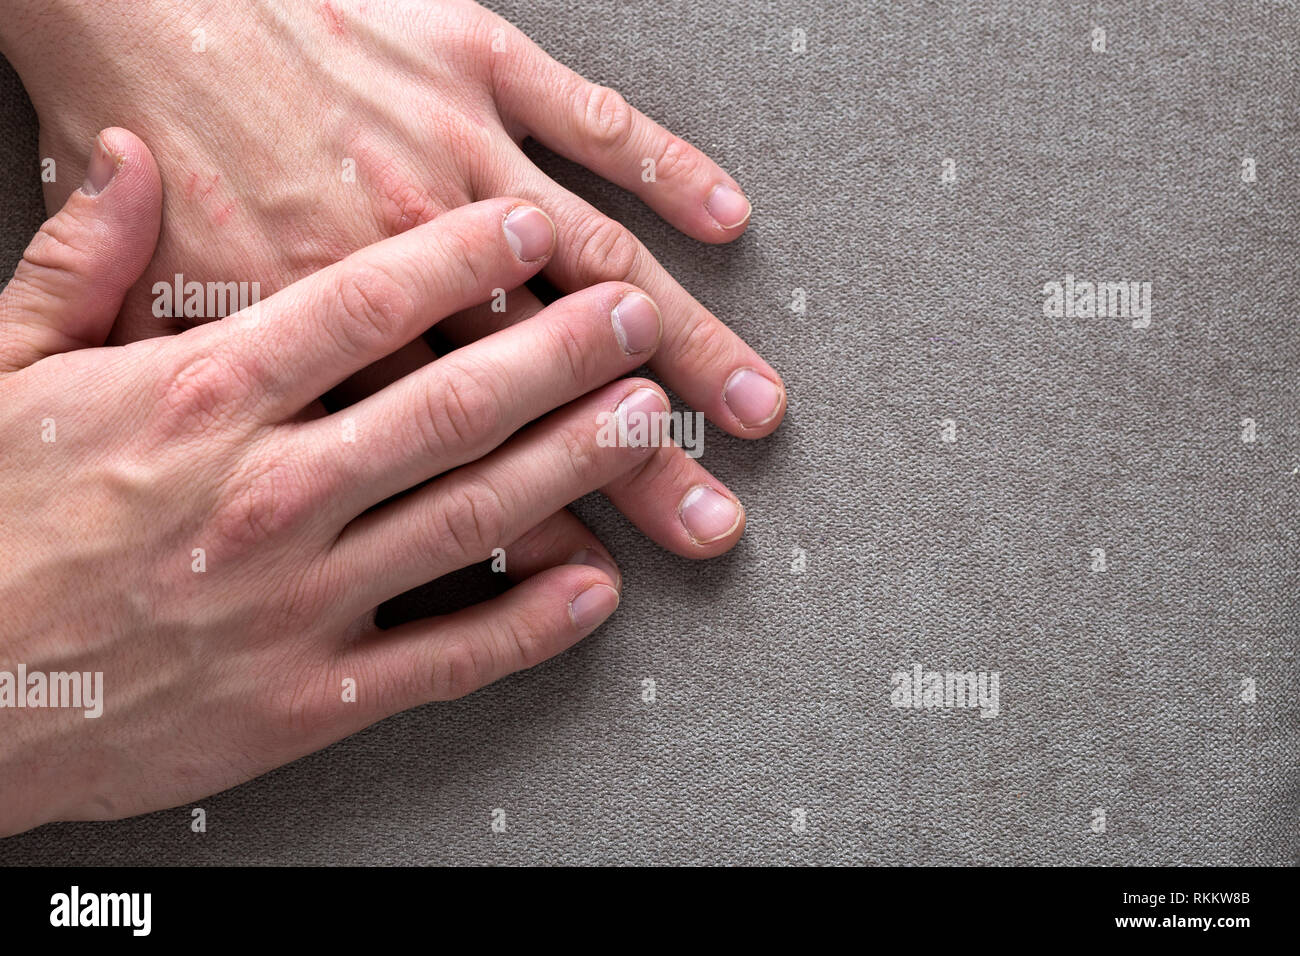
<point>177,517</point>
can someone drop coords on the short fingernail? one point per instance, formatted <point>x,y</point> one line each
<point>103,167</point>
<point>592,606</point>
<point>752,397</point>
<point>530,232</point>
<point>640,419</point>
<point>636,323</point>
<point>708,515</point>
<point>727,207</point>
<point>595,559</point>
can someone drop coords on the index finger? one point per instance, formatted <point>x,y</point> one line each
<point>309,337</point>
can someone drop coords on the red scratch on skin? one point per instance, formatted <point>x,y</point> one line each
<point>222,213</point>
<point>333,19</point>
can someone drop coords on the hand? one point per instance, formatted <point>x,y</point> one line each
<point>175,521</point>
<point>427,102</point>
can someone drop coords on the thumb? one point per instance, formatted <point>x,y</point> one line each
<point>68,288</point>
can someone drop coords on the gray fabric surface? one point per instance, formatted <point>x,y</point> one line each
<point>1119,690</point>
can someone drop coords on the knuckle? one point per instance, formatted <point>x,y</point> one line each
<point>58,248</point>
<point>478,30</point>
<point>529,643</point>
<point>463,663</point>
<point>608,118</point>
<point>471,521</point>
<point>201,392</point>
<point>462,251</point>
<point>608,250</point>
<point>703,343</point>
<point>404,205</point>
<point>569,353</point>
<point>585,458</point>
<point>398,198</point>
<point>371,307</point>
<point>463,413</point>
<point>457,667</point>
<point>261,504</point>
<point>677,159</point>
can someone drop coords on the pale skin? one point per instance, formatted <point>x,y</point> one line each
<point>216,438</point>
<point>180,516</point>
<point>428,100</point>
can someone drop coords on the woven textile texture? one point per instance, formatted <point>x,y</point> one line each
<point>1102,515</point>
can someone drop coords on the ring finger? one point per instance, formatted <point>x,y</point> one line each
<point>461,517</point>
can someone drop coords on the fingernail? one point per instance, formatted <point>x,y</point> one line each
<point>103,167</point>
<point>640,419</point>
<point>592,606</point>
<point>530,232</point>
<point>595,559</point>
<point>752,397</point>
<point>636,323</point>
<point>727,207</point>
<point>708,515</point>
